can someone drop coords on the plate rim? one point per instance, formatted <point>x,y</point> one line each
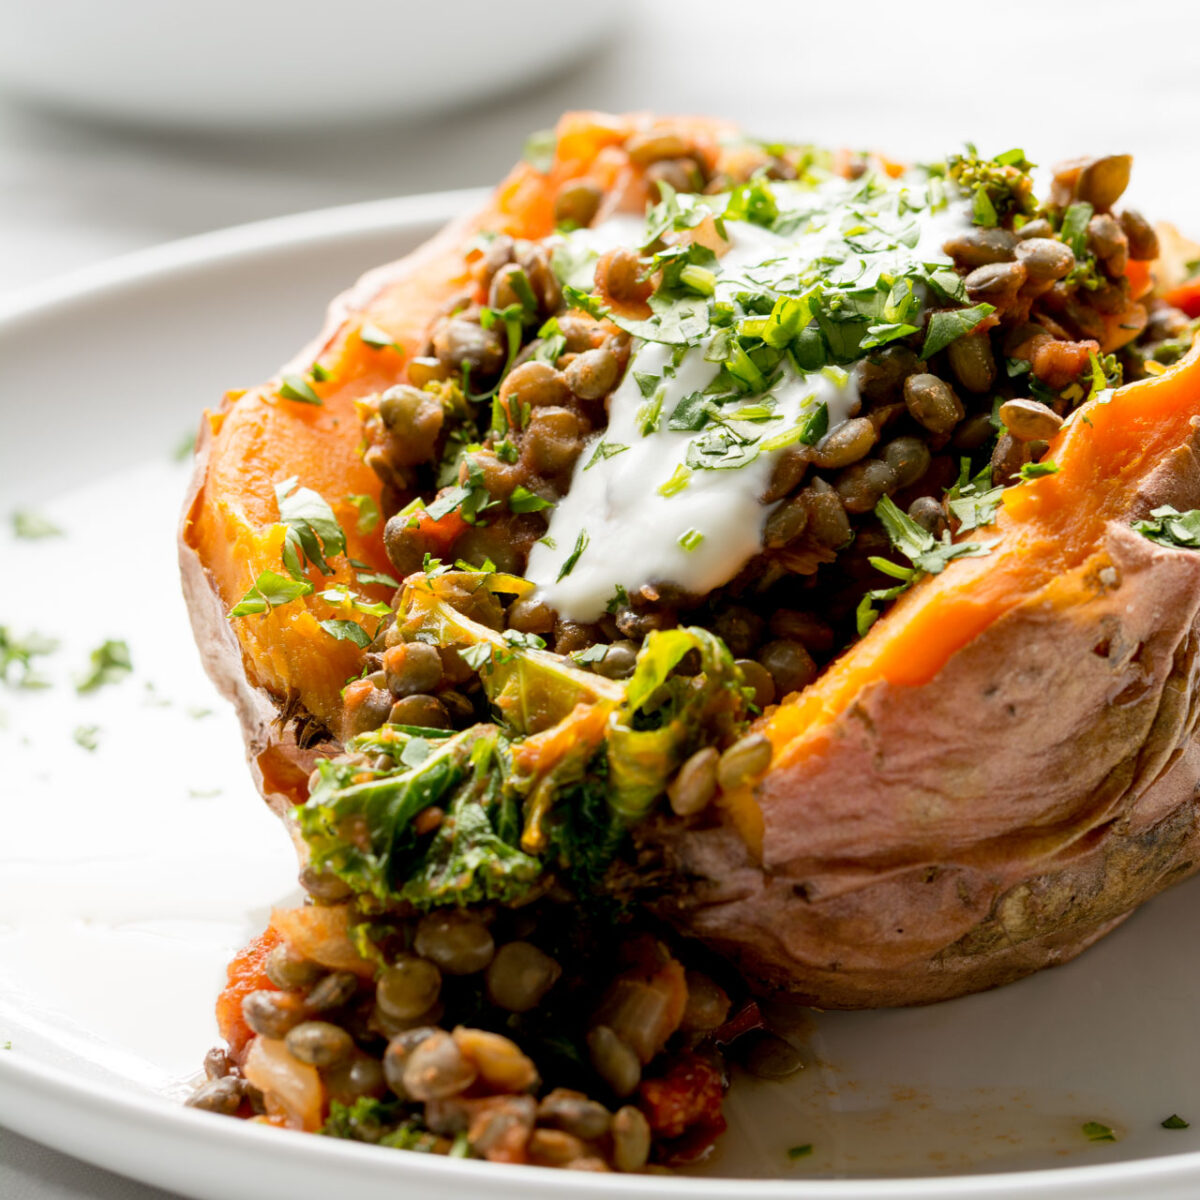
<point>22,1079</point>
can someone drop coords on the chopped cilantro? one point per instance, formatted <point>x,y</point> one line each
<point>347,631</point>
<point>581,544</point>
<point>1074,226</point>
<point>1169,527</point>
<point>33,526</point>
<point>108,663</point>
<point>1175,1121</point>
<point>948,325</point>
<point>1038,470</point>
<point>368,512</point>
<point>268,591</point>
<point>87,736</point>
<point>296,387</point>
<point>376,338</point>
<point>313,532</point>
<point>522,500</point>
<point>1095,1132</point>
<point>604,450</point>
<point>319,373</point>
<point>973,502</point>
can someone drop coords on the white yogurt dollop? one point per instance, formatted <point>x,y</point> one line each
<point>636,514</point>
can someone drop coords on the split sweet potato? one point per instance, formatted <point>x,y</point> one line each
<point>989,781</point>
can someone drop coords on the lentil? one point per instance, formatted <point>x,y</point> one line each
<point>319,1043</point>
<point>845,444</point>
<point>408,988</point>
<point>334,991</point>
<point>534,383</point>
<point>436,1068</point>
<point>577,202</point>
<point>574,1113</point>
<point>272,1014</point>
<point>458,942</point>
<point>615,1062</point>
<point>929,514</point>
<point>790,664</point>
<point>223,1095</point>
<point>520,976</point>
<point>593,373</point>
<point>747,758</point>
<point>1030,420</point>
<point>932,403</point>
<point>631,1138</point>
<point>695,783</point>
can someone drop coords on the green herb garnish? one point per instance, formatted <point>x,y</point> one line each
<point>581,544</point>
<point>604,450</point>
<point>522,500</point>
<point>87,736</point>
<point>33,526</point>
<point>109,663</point>
<point>269,591</point>
<point>296,387</point>
<point>367,508</point>
<point>948,326</point>
<point>800,1151</point>
<point>1175,1121</point>
<point>1095,1132</point>
<point>1169,527</point>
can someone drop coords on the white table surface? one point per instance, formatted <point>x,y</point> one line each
<point>1057,79</point>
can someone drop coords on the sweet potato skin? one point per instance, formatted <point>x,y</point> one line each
<point>960,834</point>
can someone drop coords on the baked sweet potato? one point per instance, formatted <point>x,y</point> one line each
<point>989,780</point>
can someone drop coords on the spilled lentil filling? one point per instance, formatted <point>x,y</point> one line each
<point>648,478</point>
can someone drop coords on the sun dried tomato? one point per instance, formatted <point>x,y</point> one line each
<point>246,973</point>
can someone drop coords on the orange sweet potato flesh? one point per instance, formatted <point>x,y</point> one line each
<point>990,780</point>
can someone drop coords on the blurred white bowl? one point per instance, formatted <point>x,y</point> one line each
<point>221,64</point>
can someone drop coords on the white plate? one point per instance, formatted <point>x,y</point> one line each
<point>129,874</point>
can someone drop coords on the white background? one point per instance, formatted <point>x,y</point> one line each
<point>914,79</point>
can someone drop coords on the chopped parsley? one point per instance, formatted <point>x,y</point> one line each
<point>800,1151</point>
<point>1175,1121</point>
<point>268,591</point>
<point>522,500</point>
<point>1169,527</point>
<point>678,481</point>
<point>948,326</point>
<point>16,658</point>
<point>973,502</point>
<point>604,450</point>
<point>1095,1132</point>
<point>368,512</point>
<point>296,387</point>
<point>313,533</point>
<point>1037,470</point>
<point>347,631</point>
<point>581,544</point>
<point>108,663</point>
<point>32,526</point>
<point>928,555</point>
<point>376,338</point>
<point>87,736</point>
